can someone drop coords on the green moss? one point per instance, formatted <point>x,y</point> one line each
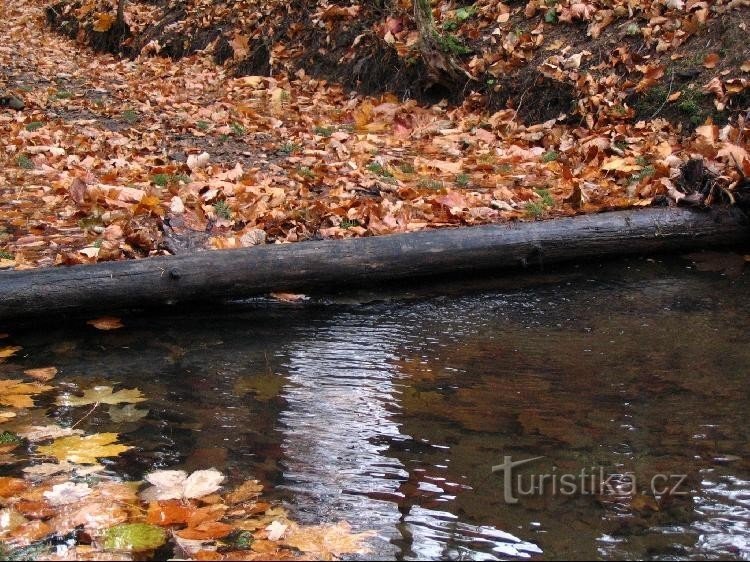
<point>462,180</point>
<point>380,170</point>
<point>323,131</point>
<point>34,126</point>
<point>131,116</point>
<point>430,183</point>
<point>238,130</point>
<point>290,148</point>
<point>222,210</point>
<point>550,156</point>
<point>24,162</point>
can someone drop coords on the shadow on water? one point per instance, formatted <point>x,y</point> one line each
<point>392,414</point>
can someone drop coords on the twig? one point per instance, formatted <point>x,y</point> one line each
<point>669,93</point>
<point>515,114</point>
<point>91,411</point>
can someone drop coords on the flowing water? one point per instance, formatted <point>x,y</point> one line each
<point>391,414</point>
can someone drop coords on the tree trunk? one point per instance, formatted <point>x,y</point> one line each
<point>314,265</point>
<point>120,13</point>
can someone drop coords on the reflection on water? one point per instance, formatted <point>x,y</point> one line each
<point>391,415</point>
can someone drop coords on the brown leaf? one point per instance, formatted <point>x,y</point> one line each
<point>711,60</point>
<point>42,374</point>
<point>106,323</point>
<point>77,191</point>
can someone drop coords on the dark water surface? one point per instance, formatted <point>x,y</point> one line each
<point>391,414</point>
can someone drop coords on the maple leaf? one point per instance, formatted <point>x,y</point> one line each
<point>327,541</point>
<point>17,394</point>
<point>103,22</point>
<point>84,450</point>
<point>103,395</point>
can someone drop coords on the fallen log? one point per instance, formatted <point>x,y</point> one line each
<point>222,274</point>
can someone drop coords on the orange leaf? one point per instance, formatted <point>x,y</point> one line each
<point>206,531</point>
<point>11,486</point>
<point>106,323</point>
<point>103,22</point>
<point>711,60</point>
<point>169,512</point>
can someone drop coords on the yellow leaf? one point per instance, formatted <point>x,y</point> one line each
<point>103,22</point>
<point>621,165</point>
<point>9,351</point>
<point>84,450</point>
<point>17,394</point>
<point>102,395</point>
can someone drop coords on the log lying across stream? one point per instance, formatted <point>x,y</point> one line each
<point>222,274</point>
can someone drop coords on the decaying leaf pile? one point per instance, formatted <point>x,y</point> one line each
<point>58,502</point>
<point>229,124</point>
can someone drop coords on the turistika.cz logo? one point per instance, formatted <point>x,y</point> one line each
<point>588,481</point>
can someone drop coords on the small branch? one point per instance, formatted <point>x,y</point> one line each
<point>91,411</point>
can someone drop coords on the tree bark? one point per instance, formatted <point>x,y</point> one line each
<point>120,13</point>
<point>314,265</point>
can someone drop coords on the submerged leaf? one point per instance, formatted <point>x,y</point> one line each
<point>42,374</point>
<point>17,394</point>
<point>328,540</point>
<point>134,536</point>
<point>126,414</point>
<point>41,432</point>
<point>102,395</point>
<point>84,450</point>
<point>9,351</point>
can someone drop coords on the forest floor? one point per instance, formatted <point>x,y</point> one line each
<point>200,126</point>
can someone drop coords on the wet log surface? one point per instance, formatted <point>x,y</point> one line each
<point>323,265</point>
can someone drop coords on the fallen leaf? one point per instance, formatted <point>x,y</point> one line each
<point>102,395</point>
<point>176,484</point>
<point>11,486</point>
<point>67,493</point>
<point>137,537</point>
<point>9,351</point>
<point>36,433</point>
<point>126,414</point>
<point>711,60</point>
<point>42,374</point>
<point>17,394</point>
<point>328,541</point>
<point>84,450</point>
<point>276,530</point>
<point>106,323</point>
<point>103,22</point>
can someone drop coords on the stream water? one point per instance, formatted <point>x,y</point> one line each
<point>391,413</point>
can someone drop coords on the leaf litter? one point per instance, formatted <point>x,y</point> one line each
<point>67,505</point>
<point>113,158</point>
